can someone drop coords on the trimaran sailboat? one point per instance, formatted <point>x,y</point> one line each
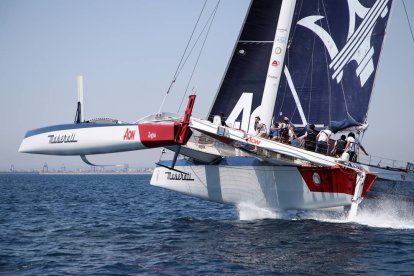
<point>310,60</point>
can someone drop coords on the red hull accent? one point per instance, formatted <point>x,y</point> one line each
<point>334,180</point>
<point>369,181</point>
<point>155,135</point>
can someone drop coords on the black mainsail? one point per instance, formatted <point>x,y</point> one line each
<point>243,84</point>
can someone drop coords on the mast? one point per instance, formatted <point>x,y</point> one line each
<point>274,73</point>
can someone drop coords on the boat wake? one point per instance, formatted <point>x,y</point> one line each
<point>377,213</point>
<point>249,211</point>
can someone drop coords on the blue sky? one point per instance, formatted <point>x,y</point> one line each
<point>128,51</point>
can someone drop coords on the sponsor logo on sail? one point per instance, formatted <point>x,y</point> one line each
<point>280,39</point>
<point>58,139</point>
<point>275,63</point>
<point>278,50</point>
<point>179,176</point>
<point>242,52</point>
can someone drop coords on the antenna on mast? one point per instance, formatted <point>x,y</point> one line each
<point>79,109</point>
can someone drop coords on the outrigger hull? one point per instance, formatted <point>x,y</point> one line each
<point>90,138</point>
<point>85,138</point>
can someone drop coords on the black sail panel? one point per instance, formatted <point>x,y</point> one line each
<point>246,72</point>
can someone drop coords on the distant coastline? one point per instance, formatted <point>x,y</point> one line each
<point>100,173</point>
<point>75,173</point>
<point>18,172</point>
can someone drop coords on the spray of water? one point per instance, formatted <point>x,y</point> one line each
<point>380,213</point>
<point>249,211</point>
<point>386,213</point>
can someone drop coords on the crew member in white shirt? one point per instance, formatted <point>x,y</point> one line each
<point>323,139</point>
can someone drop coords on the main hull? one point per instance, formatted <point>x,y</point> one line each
<point>238,180</point>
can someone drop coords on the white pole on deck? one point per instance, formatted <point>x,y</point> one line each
<point>265,111</point>
<point>80,96</point>
<point>357,195</point>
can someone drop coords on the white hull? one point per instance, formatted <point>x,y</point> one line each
<point>266,186</point>
<point>77,141</point>
<point>282,177</point>
<point>85,138</point>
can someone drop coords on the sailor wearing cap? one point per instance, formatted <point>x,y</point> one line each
<point>284,130</point>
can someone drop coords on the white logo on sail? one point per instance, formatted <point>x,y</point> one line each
<point>358,46</point>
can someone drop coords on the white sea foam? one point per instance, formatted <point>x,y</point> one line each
<point>386,213</point>
<point>249,211</point>
<point>379,213</point>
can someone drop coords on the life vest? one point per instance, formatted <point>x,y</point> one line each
<point>340,145</point>
<point>310,139</point>
<point>311,136</point>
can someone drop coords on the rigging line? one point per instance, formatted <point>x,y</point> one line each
<point>330,89</point>
<point>328,77</point>
<point>182,57</point>
<point>211,19</point>
<point>196,42</point>
<point>327,65</point>
<point>282,101</point>
<point>310,71</point>
<point>298,13</point>
<point>188,44</point>
<point>281,88</point>
<point>408,19</point>
<point>311,64</point>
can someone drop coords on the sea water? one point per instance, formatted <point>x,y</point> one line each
<point>121,225</point>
